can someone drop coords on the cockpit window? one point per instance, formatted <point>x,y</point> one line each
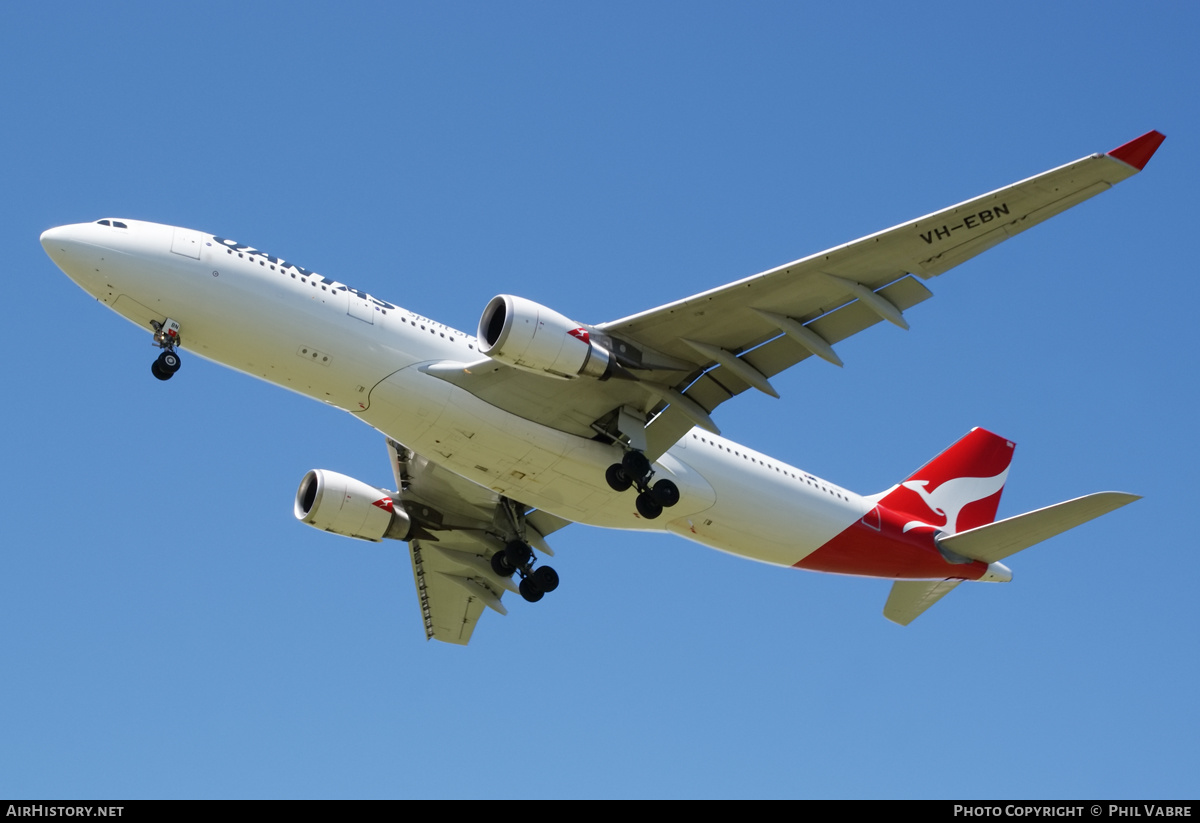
<point>117,224</point>
<point>104,222</point>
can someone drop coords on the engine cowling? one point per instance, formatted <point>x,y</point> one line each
<point>336,503</point>
<point>529,336</point>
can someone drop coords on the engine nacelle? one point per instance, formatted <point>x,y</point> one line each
<point>336,503</point>
<point>521,333</point>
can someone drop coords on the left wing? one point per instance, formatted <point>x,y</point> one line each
<point>459,526</point>
<point>680,361</point>
<point>750,330</point>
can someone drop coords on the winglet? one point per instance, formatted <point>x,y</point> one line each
<point>1137,152</point>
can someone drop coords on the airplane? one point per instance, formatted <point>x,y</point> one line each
<point>497,440</point>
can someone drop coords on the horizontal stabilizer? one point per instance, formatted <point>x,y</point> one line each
<point>996,541</point>
<point>909,598</point>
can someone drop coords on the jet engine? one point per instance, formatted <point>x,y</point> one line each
<point>336,503</point>
<point>523,334</point>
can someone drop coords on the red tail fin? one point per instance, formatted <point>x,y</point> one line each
<point>960,488</point>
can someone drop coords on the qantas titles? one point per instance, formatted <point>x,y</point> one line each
<point>303,272</point>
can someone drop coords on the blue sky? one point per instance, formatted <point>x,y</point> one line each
<point>168,630</point>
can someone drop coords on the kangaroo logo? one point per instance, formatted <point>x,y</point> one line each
<point>949,499</point>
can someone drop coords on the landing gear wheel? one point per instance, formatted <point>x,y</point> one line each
<point>157,371</point>
<point>618,479</point>
<point>636,464</point>
<point>530,591</point>
<point>168,362</point>
<point>501,566</point>
<point>545,578</point>
<point>647,506</point>
<point>517,554</point>
<point>665,493</point>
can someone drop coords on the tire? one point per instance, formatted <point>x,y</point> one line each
<point>545,578</point>
<point>500,565</point>
<point>636,464</point>
<point>618,479</point>
<point>169,362</point>
<point>517,554</point>
<point>530,591</point>
<point>666,493</point>
<point>157,371</point>
<point>647,506</point>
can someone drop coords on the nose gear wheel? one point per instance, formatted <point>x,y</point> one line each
<point>166,337</point>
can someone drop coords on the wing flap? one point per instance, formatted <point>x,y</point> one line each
<point>448,609</point>
<point>783,352</point>
<point>720,384</point>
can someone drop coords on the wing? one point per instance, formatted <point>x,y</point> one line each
<point>686,358</point>
<point>459,526</point>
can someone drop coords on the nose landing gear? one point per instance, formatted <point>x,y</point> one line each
<point>166,337</point>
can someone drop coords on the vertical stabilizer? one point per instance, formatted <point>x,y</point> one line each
<point>959,489</point>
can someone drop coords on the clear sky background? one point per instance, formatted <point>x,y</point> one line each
<point>168,630</point>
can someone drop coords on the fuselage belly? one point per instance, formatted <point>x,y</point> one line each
<point>299,330</point>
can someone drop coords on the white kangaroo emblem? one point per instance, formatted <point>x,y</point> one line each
<point>949,499</point>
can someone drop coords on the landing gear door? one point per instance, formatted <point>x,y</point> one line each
<point>187,243</point>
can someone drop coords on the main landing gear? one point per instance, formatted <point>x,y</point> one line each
<point>517,557</point>
<point>634,470</point>
<point>166,337</point>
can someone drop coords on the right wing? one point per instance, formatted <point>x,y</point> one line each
<point>458,527</point>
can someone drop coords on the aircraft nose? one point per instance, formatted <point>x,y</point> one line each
<point>59,240</point>
<point>53,238</point>
<point>67,248</point>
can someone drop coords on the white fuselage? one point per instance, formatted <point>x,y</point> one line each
<point>296,329</point>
